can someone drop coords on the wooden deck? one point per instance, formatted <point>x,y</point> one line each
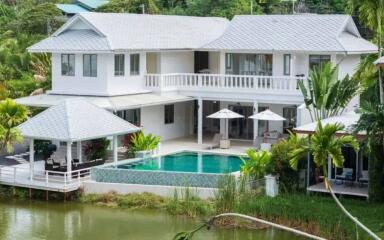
<point>342,189</point>
<point>19,176</point>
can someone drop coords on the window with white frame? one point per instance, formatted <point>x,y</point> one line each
<point>135,64</point>
<point>90,65</point>
<point>119,64</point>
<point>287,64</point>
<point>68,64</point>
<point>317,61</point>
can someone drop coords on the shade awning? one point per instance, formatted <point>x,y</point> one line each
<point>225,114</point>
<point>114,103</point>
<point>75,120</point>
<point>379,62</point>
<point>267,115</point>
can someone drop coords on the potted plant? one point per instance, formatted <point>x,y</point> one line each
<point>142,145</point>
<point>96,149</point>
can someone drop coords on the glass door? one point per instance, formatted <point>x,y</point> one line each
<point>241,128</point>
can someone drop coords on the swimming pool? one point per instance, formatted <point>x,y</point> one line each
<point>193,169</point>
<point>195,162</point>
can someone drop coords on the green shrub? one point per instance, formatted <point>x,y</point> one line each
<point>141,142</point>
<point>256,163</point>
<point>96,149</point>
<point>280,166</point>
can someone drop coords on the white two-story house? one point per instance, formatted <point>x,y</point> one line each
<point>167,73</point>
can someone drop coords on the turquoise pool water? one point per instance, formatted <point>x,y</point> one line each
<point>192,162</point>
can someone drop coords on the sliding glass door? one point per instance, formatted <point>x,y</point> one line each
<point>248,64</point>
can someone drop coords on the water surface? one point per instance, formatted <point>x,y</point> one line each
<point>189,162</point>
<point>70,221</point>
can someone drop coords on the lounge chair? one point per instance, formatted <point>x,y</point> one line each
<point>345,175</point>
<point>265,147</point>
<point>215,141</point>
<point>364,178</point>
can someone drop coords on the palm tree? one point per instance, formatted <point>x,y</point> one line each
<point>371,13</point>
<point>324,144</point>
<point>372,121</point>
<point>325,95</point>
<point>11,115</point>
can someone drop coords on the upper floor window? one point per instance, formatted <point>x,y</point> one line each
<point>119,64</point>
<point>228,60</point>
<point>90,65</point>
<point>68,64</point>
<point>316,61</point>
<point>169,114</point>
<point>287,64</point>
<point>135,64</point>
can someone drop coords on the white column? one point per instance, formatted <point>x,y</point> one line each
<point>115,150</point>
<point>255,121</point>
<point>222,63</point>
<point>31,158</point>
<point>200,121</point>
<point>69,159</point>
<point>199,163</point>
<point>79,151</point>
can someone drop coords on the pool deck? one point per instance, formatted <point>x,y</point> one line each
<point>18,174</point>
<point>238,147</point>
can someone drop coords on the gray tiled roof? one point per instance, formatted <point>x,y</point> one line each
<point>67,122</point>
<point>73,40</point>
<point>138,32</point>
<point>291,33</point>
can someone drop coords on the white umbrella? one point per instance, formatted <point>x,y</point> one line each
<point>267,115</point>
<point>225,114</point>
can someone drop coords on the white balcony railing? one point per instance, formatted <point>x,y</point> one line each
<point>209,82</point>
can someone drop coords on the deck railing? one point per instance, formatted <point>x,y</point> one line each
<point>62,181</point>
<point>191,81</point>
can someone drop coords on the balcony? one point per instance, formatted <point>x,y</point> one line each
<point>248,86</point>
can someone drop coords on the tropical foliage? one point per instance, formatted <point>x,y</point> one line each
<point>372,122</point>
<point>326,95</point>
<point>96,149</point>
<point>11,115</point>
<point>280,166</point>
<point>142,142</point>
<point>256,164</point>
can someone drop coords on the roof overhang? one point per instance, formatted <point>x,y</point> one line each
<point>113,103</point>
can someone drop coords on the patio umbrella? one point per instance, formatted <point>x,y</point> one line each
<point>225,114</point>
<point>267,115</point>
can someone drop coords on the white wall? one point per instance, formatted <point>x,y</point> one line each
<point>214,62</point>
<point>105,84</point>
<point>79,84</point>
<point>177,62</point>
<point>152,120</point>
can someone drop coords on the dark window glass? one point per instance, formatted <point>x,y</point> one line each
<point>131,115</point>
<point>316,61</point>
<point>119,64</point>
<point>289,113</point>
<point>169,114</point>
<point>90,65</point>
<point>135,64</point>
<point>68,64</point>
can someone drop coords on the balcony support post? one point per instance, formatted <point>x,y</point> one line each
<point>200,120</point>
<point>255,121</point>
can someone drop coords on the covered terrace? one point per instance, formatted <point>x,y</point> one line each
<point>350,180</point>
<point>71,121</point>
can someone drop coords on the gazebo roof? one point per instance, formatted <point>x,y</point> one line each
<point>348,119</point>
<point>75,120</point>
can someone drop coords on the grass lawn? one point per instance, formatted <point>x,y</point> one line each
<point>311,213</point>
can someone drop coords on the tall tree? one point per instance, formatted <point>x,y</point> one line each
<point>324,94</point>
<point>11,115</point>
<point>371,14</point>
<point>372,121</point>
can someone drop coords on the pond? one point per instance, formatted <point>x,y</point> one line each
<point>70,221</point>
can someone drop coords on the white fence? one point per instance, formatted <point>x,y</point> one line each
<point>48,180</point>
<point>191,81</point>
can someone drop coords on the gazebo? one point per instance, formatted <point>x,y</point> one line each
<point>74,120</point>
